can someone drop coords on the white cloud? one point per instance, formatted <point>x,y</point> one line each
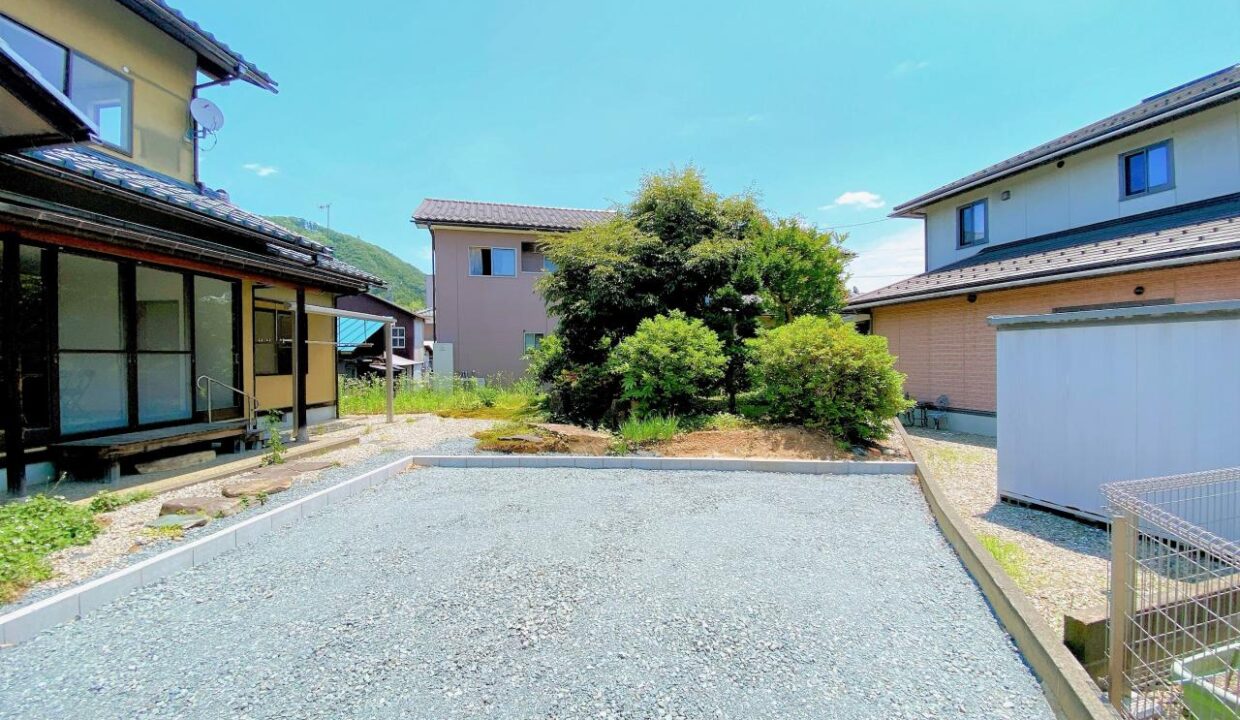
<point>857,199</point>
<point>261,170</point>
<point>907,66</point>
<point>887,260</point>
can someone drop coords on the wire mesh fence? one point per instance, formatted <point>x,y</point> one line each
<point>1175,596</point>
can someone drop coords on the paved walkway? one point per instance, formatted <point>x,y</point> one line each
<point>453,593</point>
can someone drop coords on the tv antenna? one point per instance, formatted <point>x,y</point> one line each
<point>207,117</point>
<point>328,208</point>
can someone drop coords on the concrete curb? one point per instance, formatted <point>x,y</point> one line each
<point>808,467</point>
<point>1069,687</point>
<point>78,601</point>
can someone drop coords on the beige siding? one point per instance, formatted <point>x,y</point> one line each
<point>946,347</point>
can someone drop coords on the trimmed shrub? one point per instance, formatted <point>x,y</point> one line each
<point>820,372</point>
<point>667,363</point>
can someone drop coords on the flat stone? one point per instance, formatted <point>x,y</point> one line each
<point>291,469</point>
<point>185,522</point>
<point>269,485</point>
<point>521,438</point>
<point>209,505</point>
<point>565,430</point>
<point>176,462</point>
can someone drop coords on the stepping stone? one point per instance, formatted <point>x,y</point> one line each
<point>185,522</point>
<point>521,438</point>
<point>209,505</point>
<point>291,469</point>
<point>259,486</point>
<point>177,462</point>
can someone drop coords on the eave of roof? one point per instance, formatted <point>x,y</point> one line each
<point>107,174</point>
<point>503,216</point>
<point>1209,91</point>
<point>216,58</point>
<point>1201,232</point>
<point>60,119</point>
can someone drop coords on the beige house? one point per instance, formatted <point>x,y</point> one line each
<point>486,260</point>
<point>1139,208</point>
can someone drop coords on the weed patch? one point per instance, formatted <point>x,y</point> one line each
<point>453,398</point>
<point>1010,556</point>
<point>651,429</point>
<point>32,529</point>
<point>109,501</point>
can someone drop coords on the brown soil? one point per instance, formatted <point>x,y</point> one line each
<point>780,442</point>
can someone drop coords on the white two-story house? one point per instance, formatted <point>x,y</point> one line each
<point>1142,207</point>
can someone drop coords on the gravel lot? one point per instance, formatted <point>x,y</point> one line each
<point>449,593</point>
<point>1065,562</point>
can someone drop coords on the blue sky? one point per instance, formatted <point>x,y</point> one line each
<point>833,111</point>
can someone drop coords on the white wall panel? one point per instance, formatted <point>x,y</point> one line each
<point>1080,405</point>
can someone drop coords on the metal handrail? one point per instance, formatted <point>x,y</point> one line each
<point>252,414</point>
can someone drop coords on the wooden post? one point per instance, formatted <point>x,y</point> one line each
<point>301,332</point>
<point>11,390</point>
<point>387,326</point>
<point>1123,564</point>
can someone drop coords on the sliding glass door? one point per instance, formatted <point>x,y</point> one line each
<point>215,340</point>
<point>163,346</point>
<point>93,357</point>
<point>132,339</point>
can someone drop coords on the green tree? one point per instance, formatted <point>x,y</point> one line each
<point>801,269</point>
<point>668,363</point>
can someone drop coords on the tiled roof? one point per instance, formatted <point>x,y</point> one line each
<point>1201,229</point>
<point>498,215</point>
<point>218,57</point>
<point>127,176</point>
<point>1182,100</point>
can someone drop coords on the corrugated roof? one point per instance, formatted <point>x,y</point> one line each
<point>467,213</point>
<point>1200,229</point>
<point>108,170</point>
<point>1220,86</point>
<point>217,57</point>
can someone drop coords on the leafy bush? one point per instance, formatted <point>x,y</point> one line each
<point>580,393</point>
<point>109,501</point>
<point>667,363</point>
<point>30,530</point>
<point>820,372</point>
<point>654,428</point>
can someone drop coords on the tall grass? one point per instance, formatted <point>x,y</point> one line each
<point>646,430</point>
<point>446,397</point>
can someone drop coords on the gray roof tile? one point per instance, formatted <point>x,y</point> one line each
<point>498,215</point>
<point>1191,230</point>
<point>106,169</point>
<point>1162,107</point>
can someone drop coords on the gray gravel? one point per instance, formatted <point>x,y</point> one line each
<point>449,593</point>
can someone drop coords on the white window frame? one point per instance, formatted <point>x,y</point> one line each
<point>516,260</point>
<point>1149,189</point>
<point>398,337</point>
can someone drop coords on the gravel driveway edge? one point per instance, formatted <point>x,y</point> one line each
<point>79,600</point>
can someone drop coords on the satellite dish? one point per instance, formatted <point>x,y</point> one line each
<point>207,114</point>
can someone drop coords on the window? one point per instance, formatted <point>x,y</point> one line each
<point>103,95</point>
<point>398,337</point>
<point>1146,171</point>
<point>971,224</point>
<point>273,343</point>
<point>533,260</point>
<point>495,262</point>
<point>533,340</point>
<point>105,98</point>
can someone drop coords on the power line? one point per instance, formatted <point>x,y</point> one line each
<point>838,227</point>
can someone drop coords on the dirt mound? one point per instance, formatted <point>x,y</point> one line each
<point>792,443</point>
